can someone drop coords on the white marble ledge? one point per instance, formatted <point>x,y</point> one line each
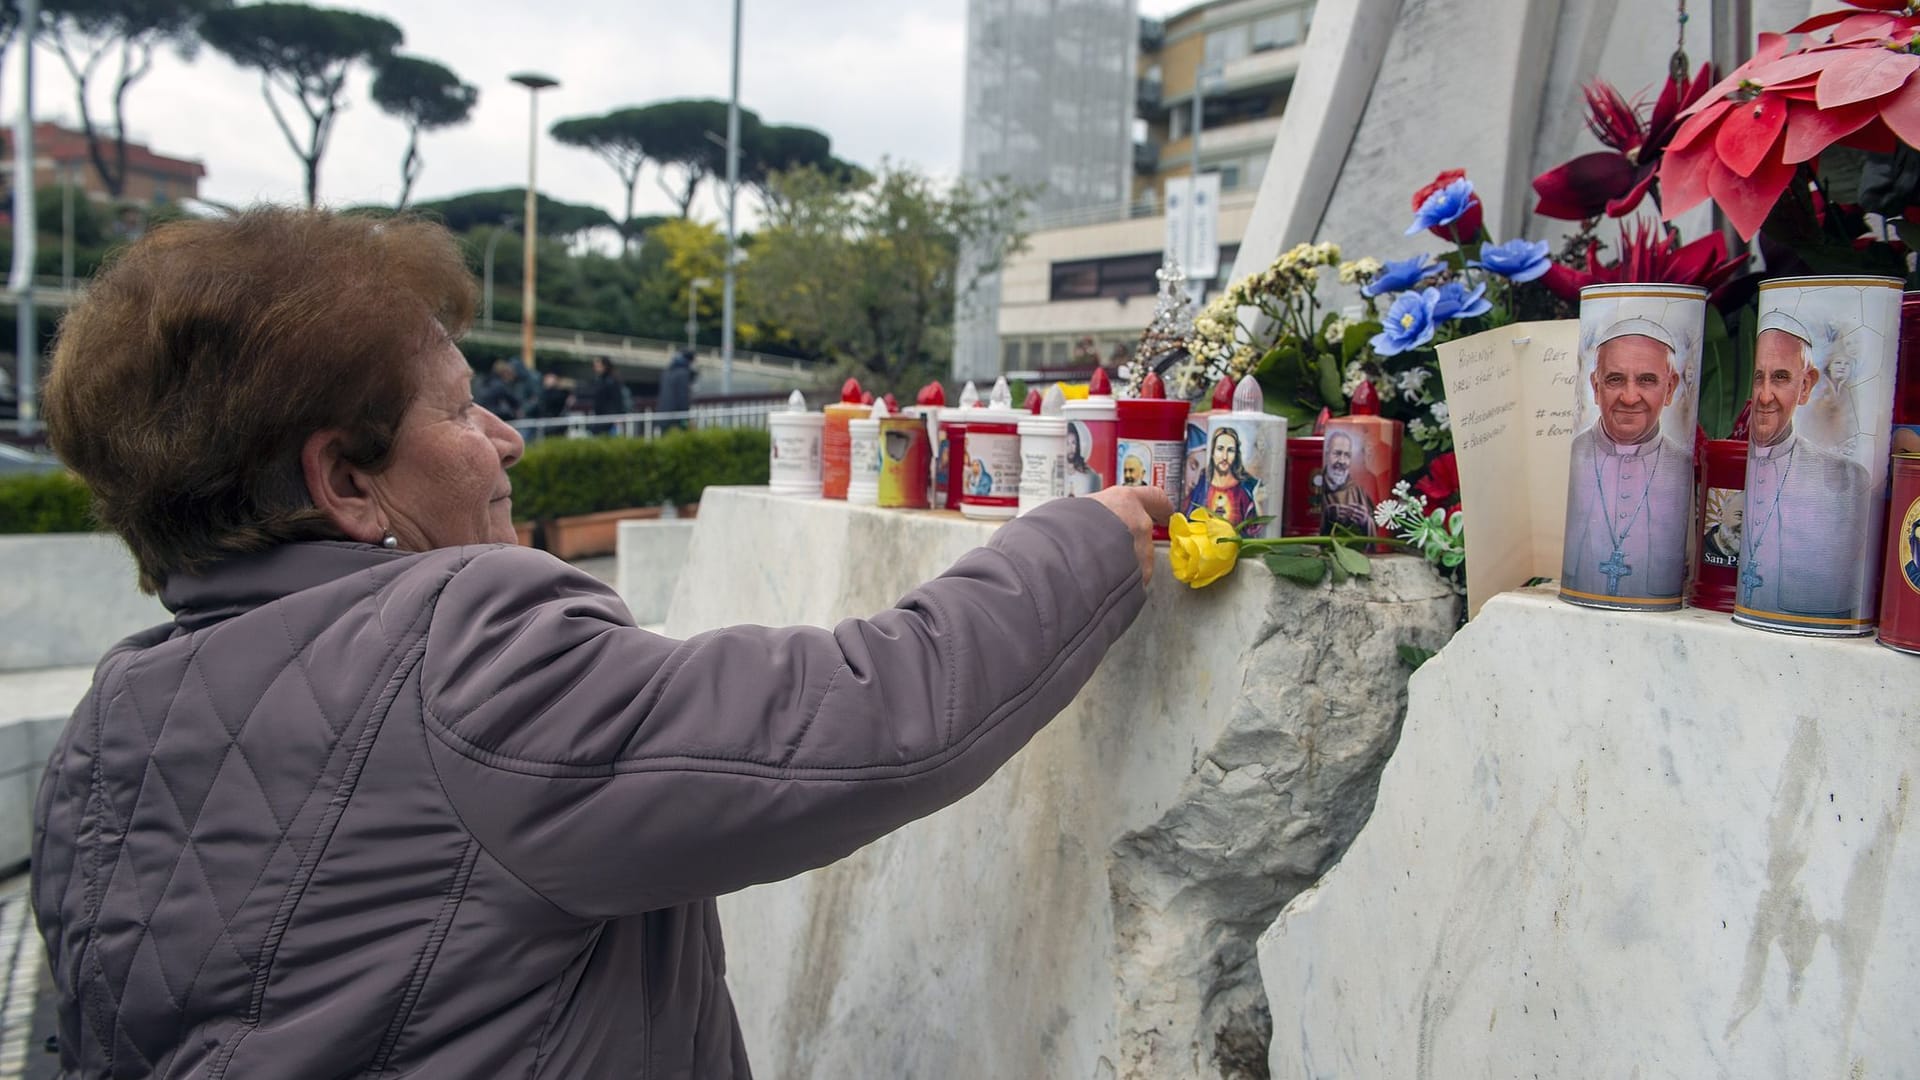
<point>1092,909</point>
<point>1616,844</point>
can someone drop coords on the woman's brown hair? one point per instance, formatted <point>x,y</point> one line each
<point>185,383</point>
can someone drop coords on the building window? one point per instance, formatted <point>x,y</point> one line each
<point>1115,278</point>
<point>1281,31</point>
<point>1009,356</point>
<point>1226,46</point>
<point>1229,176</point>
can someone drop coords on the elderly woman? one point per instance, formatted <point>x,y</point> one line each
<point>391,796</point>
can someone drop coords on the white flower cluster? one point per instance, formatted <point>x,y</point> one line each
<point>1355,375</point>
<point>1360,271</point>
<point>1413,383</point>
<point>1403,497</point>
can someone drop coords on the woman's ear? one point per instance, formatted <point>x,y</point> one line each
<point>339,489</point>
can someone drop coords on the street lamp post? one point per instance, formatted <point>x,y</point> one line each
<point>27,343</point>
<point>693,322</point>
<point>486,292</point>
<point>1201,75</point>
<point>733,196</point>
<point>534,84</point>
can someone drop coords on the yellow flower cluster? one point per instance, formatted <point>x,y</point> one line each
<point>1205,548</point>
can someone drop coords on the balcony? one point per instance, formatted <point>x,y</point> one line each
<point>1147,96</point>
<point>1153,34</point>
<point>1146,157</point>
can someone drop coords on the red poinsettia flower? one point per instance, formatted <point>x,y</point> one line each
<point>1742,142</point>
<point>1464,229</point>
<point>1442,481</point>
<point>1614,181</point>
<point>1650,254</point>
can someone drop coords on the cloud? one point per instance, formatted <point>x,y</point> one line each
<point>881,79</point>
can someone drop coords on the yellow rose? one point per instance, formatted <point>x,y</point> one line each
<point>1204,548</point>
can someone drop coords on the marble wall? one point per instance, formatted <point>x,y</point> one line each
<point>1092,910</point>
<point>66,597</point>
<point>1622,845</point>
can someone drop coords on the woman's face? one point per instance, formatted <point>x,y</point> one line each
<point>447,484</point>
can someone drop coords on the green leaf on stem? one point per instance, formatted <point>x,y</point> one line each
<point>1353,562</point>
<point>1413,655</point>
<point>1356,339</point>
<point>1330,379</point>
<point>1304,569</point>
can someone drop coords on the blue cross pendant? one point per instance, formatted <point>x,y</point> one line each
<point>1615,568</point>
<point>1750,577</point>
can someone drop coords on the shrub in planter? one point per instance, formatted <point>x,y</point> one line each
<point>52,502</point>
<point>569,477</point>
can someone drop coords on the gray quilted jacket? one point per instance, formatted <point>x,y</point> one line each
<point>364,813</point>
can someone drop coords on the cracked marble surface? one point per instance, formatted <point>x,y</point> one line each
<point>1621,844</point>
<point>1092,910</point>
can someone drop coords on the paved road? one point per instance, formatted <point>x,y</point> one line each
<point>26,993</point>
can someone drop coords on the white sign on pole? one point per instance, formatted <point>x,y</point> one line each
<point>1197,248</point>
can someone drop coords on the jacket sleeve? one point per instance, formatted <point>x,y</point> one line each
<point>615,771</point>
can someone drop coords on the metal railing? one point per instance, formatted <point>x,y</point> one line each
<point>648,423</point>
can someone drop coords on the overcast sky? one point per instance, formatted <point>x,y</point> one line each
<point>882,78</point>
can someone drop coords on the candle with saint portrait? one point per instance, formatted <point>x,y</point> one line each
<point>1818,444</point>
<point>1630,475</point>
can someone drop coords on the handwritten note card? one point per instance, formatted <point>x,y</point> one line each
<point>1510,393</point>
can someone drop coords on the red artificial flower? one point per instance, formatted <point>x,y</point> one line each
<point>1442,481</point>
<point>1464,229</point>
<point>1650,254</point>
<point>1614,181</point>
<point>1742,142</point>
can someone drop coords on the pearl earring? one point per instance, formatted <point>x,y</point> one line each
<point>390,542</point>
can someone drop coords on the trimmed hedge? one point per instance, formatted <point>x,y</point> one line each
<point>564,477</point>
<point>557,478</point>
<point>54,502</point>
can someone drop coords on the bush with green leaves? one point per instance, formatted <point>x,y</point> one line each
<point>55,502</point>
<point>565,477</point>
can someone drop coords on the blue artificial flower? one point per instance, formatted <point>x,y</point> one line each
<point>1444,207</point>
<point>1515,260</point>
<point>1405,274</point>
<point>1456,302</point>
<point>1409,323</point>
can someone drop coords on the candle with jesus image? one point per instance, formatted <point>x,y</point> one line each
<point>1246,463</point>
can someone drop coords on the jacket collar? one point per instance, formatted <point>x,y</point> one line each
<point>246,582</point>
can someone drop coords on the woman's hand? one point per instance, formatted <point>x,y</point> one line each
<point>1140,509</point>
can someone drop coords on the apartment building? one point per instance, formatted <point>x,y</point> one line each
<point>1088,271</point>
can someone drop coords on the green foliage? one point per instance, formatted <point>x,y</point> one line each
<point>307,52</point>
<point>680,133</point>
<point>1413,656</point>
<point>86,33</point>
<point>565,477</point>
<point>55,502</point>
<point>1726,369</point>
<point>425,96</point>
<point>622,139</point>
<point>868,277</point>
<point>477,209</point>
